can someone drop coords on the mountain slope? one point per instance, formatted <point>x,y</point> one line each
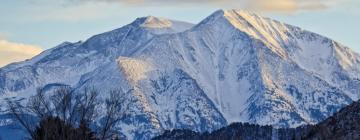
<point>67,62</point>
<point>343,125</point>
<point>233,66</point>
<point>248,77</point>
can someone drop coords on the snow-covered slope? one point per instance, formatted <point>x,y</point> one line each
<point>234,66</point>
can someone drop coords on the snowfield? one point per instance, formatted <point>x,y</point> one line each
<point>234,66</point>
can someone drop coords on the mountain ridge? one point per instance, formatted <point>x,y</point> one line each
<point>234,66</point>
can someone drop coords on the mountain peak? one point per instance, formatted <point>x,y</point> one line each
<point>231,11</point>
<point>153,22</point>
<point>160,25</point>
<point>270,32</point>
<point>240,19</point>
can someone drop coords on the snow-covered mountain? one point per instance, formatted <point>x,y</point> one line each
<point>343,125</point>
<point>234,66</point>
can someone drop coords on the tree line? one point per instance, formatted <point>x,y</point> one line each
<point>68,115</point>
<point>343,125</point>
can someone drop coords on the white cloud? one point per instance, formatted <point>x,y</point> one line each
<point>14,52</point>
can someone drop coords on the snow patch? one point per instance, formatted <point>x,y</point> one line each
<point>155,22</point>
<point>134,69</point>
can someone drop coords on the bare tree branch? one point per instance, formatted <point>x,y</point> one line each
<point>18,111</point>
<point>73,110</point>
<point>116,108</point>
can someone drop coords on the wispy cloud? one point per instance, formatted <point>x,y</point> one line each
<point>257,5</point>
<point>287,5</point>
<point>74,13</point>
<point>82,10</point>
<point>3,35</point>
<point>14,52</point>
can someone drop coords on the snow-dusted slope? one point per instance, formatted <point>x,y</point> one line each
<point>67,62</point>
<point>233,66</point>
<point>257,70</point>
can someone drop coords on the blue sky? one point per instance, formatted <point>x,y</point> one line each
<point>46,23</point>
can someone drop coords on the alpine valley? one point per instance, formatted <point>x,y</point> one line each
<point>233,66</point>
